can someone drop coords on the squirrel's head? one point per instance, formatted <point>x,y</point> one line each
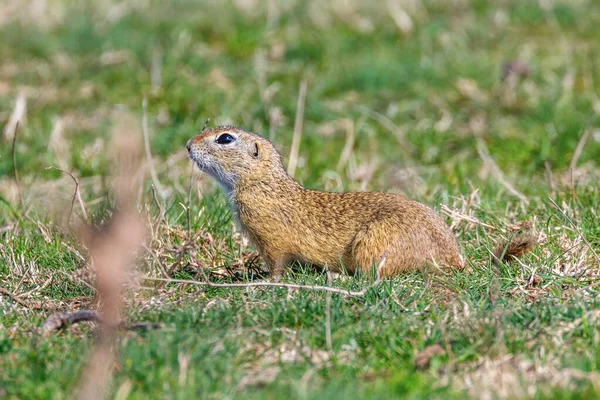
<point>231,155</point>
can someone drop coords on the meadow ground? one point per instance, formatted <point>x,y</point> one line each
<point>487,111</point>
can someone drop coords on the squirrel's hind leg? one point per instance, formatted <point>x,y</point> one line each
<point>382,237</point>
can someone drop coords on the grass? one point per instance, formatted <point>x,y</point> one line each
<point>419,104</point>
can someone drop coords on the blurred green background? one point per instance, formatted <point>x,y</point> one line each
<point>418,82</point>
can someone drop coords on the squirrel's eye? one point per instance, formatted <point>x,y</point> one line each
<point>225,139</point>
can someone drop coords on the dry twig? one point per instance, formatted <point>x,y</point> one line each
<point>458,216</point>
<point>344,292</point>
<point>76,194</point>
<point>59,321</point>
<point>13,296</point>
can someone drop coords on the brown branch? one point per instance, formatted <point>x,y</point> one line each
<point>59,321</point>
<point>344,292</point>
<point>14,297</point>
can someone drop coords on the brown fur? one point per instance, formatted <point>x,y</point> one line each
<point>287,222</point>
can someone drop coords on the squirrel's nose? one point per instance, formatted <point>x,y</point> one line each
<point>188,145</point>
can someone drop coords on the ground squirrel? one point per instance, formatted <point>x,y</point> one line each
<point>339,231</point>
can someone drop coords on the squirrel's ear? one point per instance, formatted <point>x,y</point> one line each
<point>255,150</point>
